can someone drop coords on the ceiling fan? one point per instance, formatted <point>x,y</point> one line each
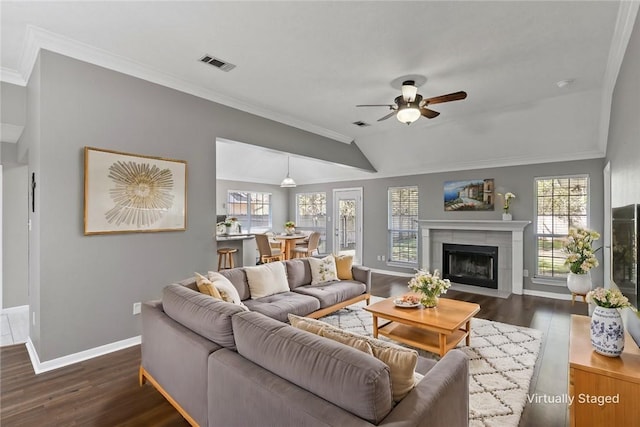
<point>411,105</point>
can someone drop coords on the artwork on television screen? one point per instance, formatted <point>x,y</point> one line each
<point>624,250</point>
<point>469,195</point>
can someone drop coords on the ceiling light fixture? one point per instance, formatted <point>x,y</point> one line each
<point>288,182</point>
<point>409,91</point>
<point>408,113</point>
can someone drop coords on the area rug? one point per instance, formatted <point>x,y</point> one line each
<point>501,362</point>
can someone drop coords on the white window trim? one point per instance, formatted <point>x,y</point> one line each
<point>249,228</point>
<point>396,263</point>
<point>545,280</point>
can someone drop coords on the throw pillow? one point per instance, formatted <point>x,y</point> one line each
<point>323,270</point>
<point>400,360</point>
<point>225,288</point>
<point>205,286</point>
<point>343,266</point>
<point>267,279</point>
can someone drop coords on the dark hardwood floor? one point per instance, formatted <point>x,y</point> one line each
<point>104,391</point>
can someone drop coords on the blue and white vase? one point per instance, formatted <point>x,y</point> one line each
<point>607,331</point>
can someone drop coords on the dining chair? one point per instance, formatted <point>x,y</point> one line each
<point>267,253</point>
<point>306,251</point>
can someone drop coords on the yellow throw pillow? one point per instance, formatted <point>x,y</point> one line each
<point>343,266</point>
<point>307,324</point>
<point>205,286</point>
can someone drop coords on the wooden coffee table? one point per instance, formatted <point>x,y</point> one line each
<point>437,329</point>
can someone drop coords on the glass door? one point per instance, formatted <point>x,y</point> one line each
<point>347,205</point>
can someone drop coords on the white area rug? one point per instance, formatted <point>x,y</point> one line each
<point>501,362</point>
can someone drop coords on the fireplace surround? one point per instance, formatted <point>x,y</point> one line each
<point>508,236</point>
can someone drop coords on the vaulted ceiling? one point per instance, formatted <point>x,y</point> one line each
<point>308,64</point>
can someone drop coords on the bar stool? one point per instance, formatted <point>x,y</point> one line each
<point>225,257</point>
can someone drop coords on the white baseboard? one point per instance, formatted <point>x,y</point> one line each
<point>544,294</point>
<point>16,309</point>
<point>49,365</point>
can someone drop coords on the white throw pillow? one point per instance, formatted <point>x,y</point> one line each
<point>227,291</point>
<point>267,279</point>
<point>323,270</point>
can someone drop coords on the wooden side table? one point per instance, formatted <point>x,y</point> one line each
<point>605,390</point>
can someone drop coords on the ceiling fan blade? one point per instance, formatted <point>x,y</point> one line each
<point>387,116</point>
<point>376,105</point>
<point>456,96</point>
<point>429,114</point>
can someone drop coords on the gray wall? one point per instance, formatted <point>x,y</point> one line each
<point>82,287</point>
<point>15,188</point>
<point>279,199</point>
<point>623,147</point>
<point>517,179</point>
<point>13,104</point>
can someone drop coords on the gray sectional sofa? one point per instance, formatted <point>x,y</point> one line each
<point>220,365</point>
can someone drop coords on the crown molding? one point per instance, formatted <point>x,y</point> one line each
<point>14,77</point>
<point>38,38</point>
<point>627,12</point>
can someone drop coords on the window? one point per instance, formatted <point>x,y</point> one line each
<point>311,215</point>
<point>253,210</point>
<point>403,228</point>
<point>561,202</point>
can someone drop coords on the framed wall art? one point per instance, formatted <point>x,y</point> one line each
<point>469,195</point>
<point>129,193</point>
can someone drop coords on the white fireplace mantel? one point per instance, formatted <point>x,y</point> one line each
<point>516,228</point>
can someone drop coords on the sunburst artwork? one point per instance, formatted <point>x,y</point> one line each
<point>132,193</point>
<point>141,193</point>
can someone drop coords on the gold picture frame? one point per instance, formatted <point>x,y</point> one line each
<point>132,193</point>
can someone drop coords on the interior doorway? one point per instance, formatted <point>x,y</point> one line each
<point>347,207</point>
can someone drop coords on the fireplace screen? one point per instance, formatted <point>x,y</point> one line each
<point>471,264</point>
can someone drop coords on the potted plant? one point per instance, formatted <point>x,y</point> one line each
<point>581,258</point>
<point>289,227</point>
<point>607,329</point>
<point>506,215</point>
<point>429,286</point>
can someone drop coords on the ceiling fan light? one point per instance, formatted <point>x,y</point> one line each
<point>409,91</point>
<point>408,114</point>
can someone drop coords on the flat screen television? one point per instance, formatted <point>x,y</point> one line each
<point>625,240</point>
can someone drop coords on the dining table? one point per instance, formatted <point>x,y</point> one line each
<point>289,242</point>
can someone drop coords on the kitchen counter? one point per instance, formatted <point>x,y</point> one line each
<point>245,244</point>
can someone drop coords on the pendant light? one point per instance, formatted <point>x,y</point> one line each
<point>288,182</point>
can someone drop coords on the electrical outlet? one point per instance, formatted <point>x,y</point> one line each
<point>525,273</point>
<point>137,307</point>
<point>33,318</point>
<point>383,257</point>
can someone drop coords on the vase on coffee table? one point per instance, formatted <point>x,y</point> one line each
<point>429,301</point>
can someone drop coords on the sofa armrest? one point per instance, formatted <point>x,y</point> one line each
<point>441,399</point>
<point>176,358</point>
<point>362,274</point>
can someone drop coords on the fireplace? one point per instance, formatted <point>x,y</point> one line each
<point>470,264</point>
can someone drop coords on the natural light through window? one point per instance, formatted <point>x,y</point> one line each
<point>403,226</point>
<point>311,215</point>
<point>253,210</point>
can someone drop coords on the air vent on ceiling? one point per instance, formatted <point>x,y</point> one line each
<point>361,124</point>
<point>217,62</point>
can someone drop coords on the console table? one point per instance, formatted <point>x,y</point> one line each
<point>604,389</point>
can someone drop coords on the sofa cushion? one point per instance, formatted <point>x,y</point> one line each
<point>330,293</point>
<point>225,288</point>
<point>279,305</point>
<point>343,266</point>
<point>238,279</point>
<point>267,279</point>
<point>401,360</point>
<point>323,269</point>
<point>344,376</point>
<point>204,315</point>
<point>298,272</point>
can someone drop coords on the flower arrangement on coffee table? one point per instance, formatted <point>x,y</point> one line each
<point>429,286</point>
